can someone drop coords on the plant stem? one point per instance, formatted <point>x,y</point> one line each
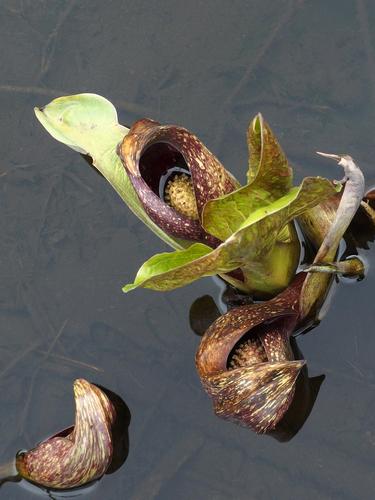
<point>8,471</point>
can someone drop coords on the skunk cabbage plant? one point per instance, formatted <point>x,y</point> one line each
<point>176,186</point>
<point>245,234</point>
<point>245,360</point>
<point>80,454</point>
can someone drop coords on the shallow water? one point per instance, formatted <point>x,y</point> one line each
<point>68,242</point>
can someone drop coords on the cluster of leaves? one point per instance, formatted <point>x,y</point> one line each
<point>254,222</point>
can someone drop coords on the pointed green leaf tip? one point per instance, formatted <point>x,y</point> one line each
<point>269,178</point>
<point>88,124</point>
<point>267,161</point>
<point>248,248</point>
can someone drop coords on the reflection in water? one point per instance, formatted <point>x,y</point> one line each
<point>119,416</point>
<point>306,392</point>
<point>120,434</point>
<point>203,312</point>
<point>50,493</point>
<point>361,232</point>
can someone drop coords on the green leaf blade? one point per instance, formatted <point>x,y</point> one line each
<point>167,271</point>
<point>88,124</point>
<point>223,217</point>
<point>269,178</point>
<point>261,228</point>
<point>249,248</point>
<point>268,164</point>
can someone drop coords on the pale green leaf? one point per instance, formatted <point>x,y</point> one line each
<point>88,124</point>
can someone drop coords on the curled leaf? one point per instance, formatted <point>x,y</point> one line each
<point>80,454</point>
<point>349,204</point>
<point>203,312</point>
<point>268,164</point>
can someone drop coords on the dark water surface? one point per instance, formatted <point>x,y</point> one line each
<point>68,243</point>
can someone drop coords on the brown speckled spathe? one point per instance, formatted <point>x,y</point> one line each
<point>210,179</point>
<point>251,391</point>
<point>83,455</point>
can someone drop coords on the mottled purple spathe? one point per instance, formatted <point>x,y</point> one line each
<point>72,459</point>
<point>209,178</point>
<point>257,387</point>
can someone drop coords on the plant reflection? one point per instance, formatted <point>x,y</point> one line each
<point>305,395</point>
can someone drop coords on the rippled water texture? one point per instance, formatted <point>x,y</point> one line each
<point>68,243</point>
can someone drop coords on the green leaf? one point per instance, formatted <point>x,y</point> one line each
<point>267,162</point>
<point>223,216</point>
<point>269,177</point>
<point>249,248</point>
<point>163,265</point>
<point>88,124</point>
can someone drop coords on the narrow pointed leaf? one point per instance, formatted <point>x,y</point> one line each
<point>88,124</point>
<point>268,164</point>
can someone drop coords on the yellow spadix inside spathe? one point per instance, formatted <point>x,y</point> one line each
<point>179,194</point>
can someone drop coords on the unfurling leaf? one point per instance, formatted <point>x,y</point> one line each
<point>269,177</point>
<point>268,164</point>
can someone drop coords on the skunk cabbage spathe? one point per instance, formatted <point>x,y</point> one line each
<point>79,454</point>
